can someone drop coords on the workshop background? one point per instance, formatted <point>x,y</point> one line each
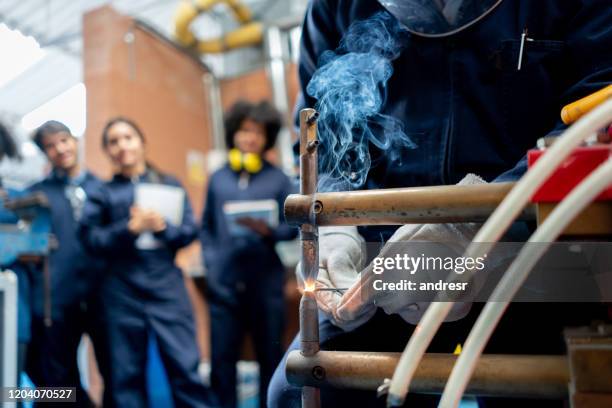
<point>81,62</point>
<point>455,111</point>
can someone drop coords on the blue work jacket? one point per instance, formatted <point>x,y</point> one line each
<point>462,99</point>
<point>231,260</point>
<point>134,272</point>
<point>75,274</point>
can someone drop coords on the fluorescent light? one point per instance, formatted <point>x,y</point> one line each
<point>18,53</point>
<point>67,107</point>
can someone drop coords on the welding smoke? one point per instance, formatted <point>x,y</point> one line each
<point>350,88</point>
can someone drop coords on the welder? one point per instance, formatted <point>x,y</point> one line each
<point>430,93</point>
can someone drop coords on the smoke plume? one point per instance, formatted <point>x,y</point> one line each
<point>350,88</point>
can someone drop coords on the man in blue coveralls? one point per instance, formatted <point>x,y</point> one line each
<point>459,87</point>
<point>52,355</point>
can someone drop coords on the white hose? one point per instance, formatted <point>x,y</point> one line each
<point>489,234</point>
<point>516,275</point>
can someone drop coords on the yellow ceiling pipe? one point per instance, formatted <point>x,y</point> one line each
<point>248,34</point>
<point>242,12</point>
<point>245,36</point>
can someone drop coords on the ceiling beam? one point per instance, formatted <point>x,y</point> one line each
<point>28,31</point>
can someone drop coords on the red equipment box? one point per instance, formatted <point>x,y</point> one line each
<point>571,172</point>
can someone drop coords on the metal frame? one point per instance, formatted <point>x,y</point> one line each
<point>8,331</point>
<point>398,206</point>
<point>309,368</point>
<point>276,51</point>
<point>309,322</point>
<point>590,362</point>
<point>213,94</point>
<point>496,375</point>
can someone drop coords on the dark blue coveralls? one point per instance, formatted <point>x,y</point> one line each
<point>245,280</point>
<point>75,275</point>
<point>143,293</point>
<point>463,102</point>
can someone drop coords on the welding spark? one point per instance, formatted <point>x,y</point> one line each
<point>309,286</point>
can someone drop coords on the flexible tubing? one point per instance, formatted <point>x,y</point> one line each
<point>516,275</point>
<point>488,235</point>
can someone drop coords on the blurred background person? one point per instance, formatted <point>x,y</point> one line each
<point>241,223</point>
<point>7,145</point>
<point>144,293</point>
<point>52,355</point>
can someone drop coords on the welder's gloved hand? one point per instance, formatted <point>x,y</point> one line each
<point>409,240</point>
<point>341,257</point>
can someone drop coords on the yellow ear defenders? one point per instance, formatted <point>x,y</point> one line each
<point>250,162</point>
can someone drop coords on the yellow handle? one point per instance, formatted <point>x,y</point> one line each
<point>572,112</point>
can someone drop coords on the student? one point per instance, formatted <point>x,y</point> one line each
<point>143,292</point>
<point>52,354</point>
<point>245,275</point>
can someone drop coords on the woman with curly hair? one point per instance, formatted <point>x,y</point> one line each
<point>245,275</point>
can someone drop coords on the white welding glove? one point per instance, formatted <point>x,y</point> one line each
<point>360,298</point>
<point>341,257</point>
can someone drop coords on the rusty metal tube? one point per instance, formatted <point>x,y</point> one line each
<point>438,204</point>
<point>309,324</point>
<point>496,375</point>
<point>308,153</point>
<point>309,321</point>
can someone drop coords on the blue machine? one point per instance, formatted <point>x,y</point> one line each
<point>25,226</point>
<point>25,233</point>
